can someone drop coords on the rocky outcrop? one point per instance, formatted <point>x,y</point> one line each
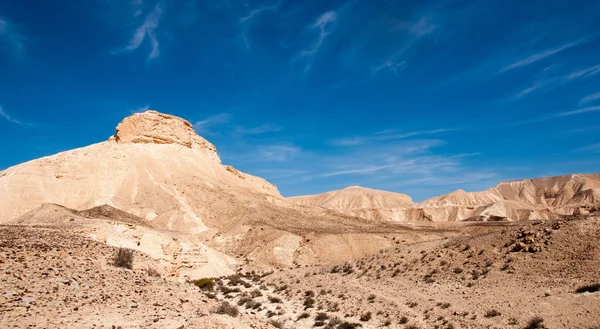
<point>152,127</point>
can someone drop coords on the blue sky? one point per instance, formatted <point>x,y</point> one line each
<point>419,97</point>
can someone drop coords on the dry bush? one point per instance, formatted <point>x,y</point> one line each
<point>588,288</point>
<point>366,317</point>
<point>403,320</point>
<point>276,324</point>
<point>304,315</point>
<point>124,258</point>
<point>227,309</point>
<point>535,323</point>
<point>152,272</point>
<point>492,313</point>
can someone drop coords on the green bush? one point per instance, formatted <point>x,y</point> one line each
<point>204,284</point>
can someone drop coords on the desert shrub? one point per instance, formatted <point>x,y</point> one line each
<point>152,272</point>
<point>371,298</point>
<point>304,315</point>
<point>535,323</point>
<point>475,274</point>
<point>492,313</point>
<point>247,285</point>
<point>211,295</point>
<point>271,314</point>
<point>458,270</point>
<point>256,293</point>
<point>444,306</point>
<point>227,309</point>
<point>276,324</point>
<point>235,280</point>
<point>309,293</point>
<point>282,288</point>
<point>243,300</point>
<point>335,269</point>
<point>226,290</point>
<point>403,320</point>
<point>275,300</point>
<point>124,258</point>
<point>588,288</point>
<point>348,325</point>
<point>366,317</point>
<point>412,326</point>
<point>321,316</point>
<point>412,304</point>
<point>309,302</point>
<point>204,284</point>
<point>504,267</point>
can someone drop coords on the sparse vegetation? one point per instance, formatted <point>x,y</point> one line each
<point>403,320</point>
<point>588,288</point>
<point>227,309</point>
<point>366,317</point>
<point>152,272</point>
<point>304,315</point>
<point>204,284</point>
<point>276,324</point>
<point>535,323</point>
<point>492,313</point>
<point>124,258</point>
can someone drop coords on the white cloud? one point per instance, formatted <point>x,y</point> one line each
<point>589,98</point>
<point>593,148</point>
<point>538,56</point>
<point>147,29</point>
<point>203,126</point>
<point>321,24</point>
<point>12,119</point>
<point>265,128</point>
<point>278,152</point>
<point>579,111</point>
<point>558,80</point>
<point>388,135</point>
<point>258,11</point>
<point>141,109</point>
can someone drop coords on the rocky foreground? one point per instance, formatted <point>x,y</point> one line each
<point>55,278</point>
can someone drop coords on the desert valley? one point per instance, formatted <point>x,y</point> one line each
<point>149,229</point>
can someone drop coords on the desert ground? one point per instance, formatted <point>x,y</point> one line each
<point>150,230</point>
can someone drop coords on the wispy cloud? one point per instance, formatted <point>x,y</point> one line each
<point>579,111</point>
<point>258,11</point>
<point>140,109</point>
<point>388,135</point>
<point>590,98</point>
<point>554,116</point>
<point>12,119</point>
<point>265,128</point>
<point>538,56</point>
<point>420,28</point>
<point>558,80</point>
<point>246,20</point>
<point>138,6</point>
<point>321,25</point>
<point>147,29</point>
<point>593,148</point>
<point>278,152</point>
<point>10,34</point>
<point>203,126</point>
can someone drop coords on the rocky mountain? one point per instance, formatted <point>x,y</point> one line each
<point>157,173</point>
<point>540,198</point>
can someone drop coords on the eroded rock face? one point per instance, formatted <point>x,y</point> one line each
<point>152,127</point>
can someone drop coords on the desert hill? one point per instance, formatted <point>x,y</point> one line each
<point>540,198</point>
<point>357,201</point>
<point>155,171</point>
